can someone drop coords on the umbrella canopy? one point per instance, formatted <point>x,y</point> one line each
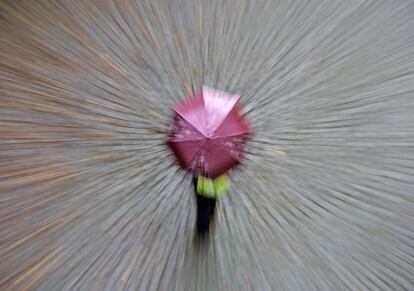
<point>209,132</point>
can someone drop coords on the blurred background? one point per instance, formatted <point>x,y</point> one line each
<point>91,198</point>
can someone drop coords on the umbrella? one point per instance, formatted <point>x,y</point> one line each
<point>208,133</point>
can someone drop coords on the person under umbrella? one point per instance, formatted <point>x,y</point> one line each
<point>208,136</point>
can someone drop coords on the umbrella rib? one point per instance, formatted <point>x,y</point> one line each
<point>223,120</point>
<point>190,124</point>
<point>231,135</point>
<point>197,153</point>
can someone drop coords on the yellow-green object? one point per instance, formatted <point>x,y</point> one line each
<point>205,187</point>
<point>213,188</point>
<point>221,185</point>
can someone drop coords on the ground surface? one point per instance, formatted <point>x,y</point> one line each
<point>90,197</point>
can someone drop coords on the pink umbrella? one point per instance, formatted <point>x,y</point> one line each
<point>209,133</point>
